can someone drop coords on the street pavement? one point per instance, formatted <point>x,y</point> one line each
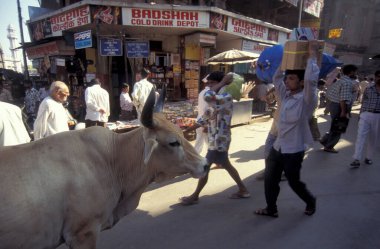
<point>348,204</point>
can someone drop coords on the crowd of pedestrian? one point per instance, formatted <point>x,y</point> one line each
<point>293,129</point>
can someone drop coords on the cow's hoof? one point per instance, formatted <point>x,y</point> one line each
<point>187,201</point>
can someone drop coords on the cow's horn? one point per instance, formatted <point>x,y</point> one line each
<point>147,112</point>
<point>161,100</point>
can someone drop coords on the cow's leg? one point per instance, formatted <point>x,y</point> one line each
<point>83,239</point>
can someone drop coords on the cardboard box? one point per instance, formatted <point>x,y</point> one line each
<point>296,54</point>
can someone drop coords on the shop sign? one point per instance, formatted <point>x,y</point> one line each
<point>83,39</point>
<point>273,35</point>
<point>106,14</point>
<point>247,29</point>
<point>137,49</point>
<point>254,47</point>
<point>165,18</point>
<point>335,33</point>
<point>60,62</point>
<point>70,19</point>
<point>40,30</point>
<point>111,47</point>
<point>313,7</point>
<point>218,21</point>
<point>40,51</point>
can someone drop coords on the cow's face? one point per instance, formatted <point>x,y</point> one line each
<point>168,154</point>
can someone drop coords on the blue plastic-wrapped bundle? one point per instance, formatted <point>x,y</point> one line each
<point>329,63</point>
<point>268,62</point>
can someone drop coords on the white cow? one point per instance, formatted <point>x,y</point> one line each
<point>68,187</point>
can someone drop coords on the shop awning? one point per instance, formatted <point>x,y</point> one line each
<point>233,56</point>
<point>52,48</point>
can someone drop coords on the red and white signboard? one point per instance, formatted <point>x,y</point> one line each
<point>70,19</point>
<point>39,51</point>
<point>165,18</point>
<point>254,47</point>
<point>247,29</point>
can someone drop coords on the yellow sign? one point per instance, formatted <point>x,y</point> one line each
<point>335,33</point>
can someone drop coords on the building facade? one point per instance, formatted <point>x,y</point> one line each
<point>353,28</point>
<point>79,40</point>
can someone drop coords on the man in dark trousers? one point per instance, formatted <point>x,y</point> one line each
<point>298,98</point>
<point>340,96</point>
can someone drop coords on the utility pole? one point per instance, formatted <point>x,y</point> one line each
<point>300,14</point>
<point>26,72</point>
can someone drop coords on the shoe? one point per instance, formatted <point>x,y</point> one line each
<point>332,150</point>
<point>368,161</point>
<point>355,164</point>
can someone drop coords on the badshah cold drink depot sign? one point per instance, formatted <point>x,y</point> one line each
<point>165,18</point>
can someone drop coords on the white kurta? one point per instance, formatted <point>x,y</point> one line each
<point>141,91</point>
<point>12,129</point>
<point>52,118</point>
<point>97,98</point>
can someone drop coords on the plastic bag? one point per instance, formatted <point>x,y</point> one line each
<point>234,88</point>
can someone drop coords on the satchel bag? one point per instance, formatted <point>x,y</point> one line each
<point>339,124</point>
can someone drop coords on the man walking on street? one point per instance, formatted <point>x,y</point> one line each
<point>97,105</point>
<point>340,96</point>
<point>217,118</point>
<point>369,124</point>
<point>298,99</point>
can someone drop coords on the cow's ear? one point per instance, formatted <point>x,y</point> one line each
<point>150,146</point>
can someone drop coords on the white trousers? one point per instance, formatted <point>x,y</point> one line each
<point>368,135</point>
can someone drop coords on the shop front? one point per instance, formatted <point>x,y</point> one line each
<point>172,41</point>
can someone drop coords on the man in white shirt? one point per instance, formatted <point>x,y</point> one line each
<point>97,105</point>
<point>126,104</point>
<point>141,91</point>
<point>12,128</point>
<point>297,106</point>
<point>52,117</point>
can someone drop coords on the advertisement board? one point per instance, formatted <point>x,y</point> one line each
<point>313,7</point>
<point>165,18</point>
<point>83,39</point>
<point>247,29</point>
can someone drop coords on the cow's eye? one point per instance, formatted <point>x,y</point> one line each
<point>174,144</point>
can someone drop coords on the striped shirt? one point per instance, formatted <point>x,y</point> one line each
<point>371,100</point>
<point>341,90</point>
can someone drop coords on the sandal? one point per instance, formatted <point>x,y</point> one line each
<point>187,201</point>
<point>330,150</point>
<point>266,212</point>
<point>240,195</point>
<point>311,208</point>
<point>368,161</point>
<point>355,164</point>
